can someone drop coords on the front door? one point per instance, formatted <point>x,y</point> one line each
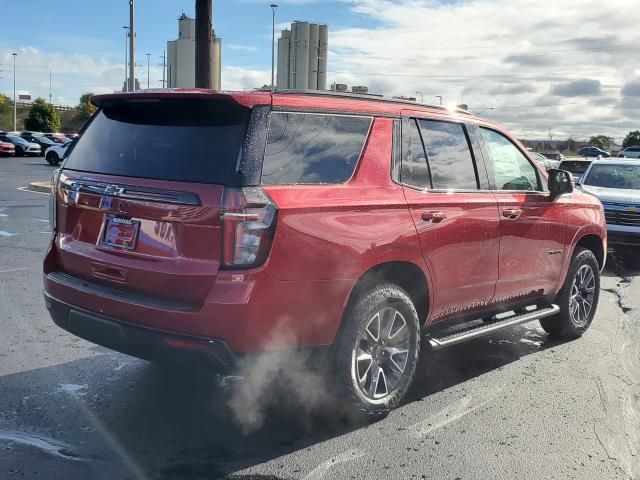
<point>457,223</point>
<point>531,223</point>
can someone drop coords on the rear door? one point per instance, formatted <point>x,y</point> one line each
<point>139,195</point>
<point>531,223</point>
<point>457,221</point>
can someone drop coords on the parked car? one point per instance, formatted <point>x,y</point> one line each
<point>7,149</point>
<point>22,147</point>
<point>616,183</point>
<point>593,152</point>
<point>56,137</point>
<point>546,162</point>
<point>320,220</point>
<point>630,152</point>
<point>44,142</point>
<point>54,155</point>
<point>575,167</point>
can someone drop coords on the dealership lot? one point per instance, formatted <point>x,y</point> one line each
<point>511,404</point>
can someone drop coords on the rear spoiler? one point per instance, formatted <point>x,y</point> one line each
<point>245,99</point>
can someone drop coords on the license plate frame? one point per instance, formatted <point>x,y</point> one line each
<point>120,232</point>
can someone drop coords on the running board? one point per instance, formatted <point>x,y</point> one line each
<point>458,337</point>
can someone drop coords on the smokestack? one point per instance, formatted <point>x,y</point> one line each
<point>203,43</point>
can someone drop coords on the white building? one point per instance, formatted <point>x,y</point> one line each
<point>302,57</point>
<point>181,56</point>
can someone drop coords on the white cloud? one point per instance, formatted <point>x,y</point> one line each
<point>571,47</point>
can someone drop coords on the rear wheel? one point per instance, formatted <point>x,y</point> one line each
<point>578,298</point>
<point>52,158</point>
<point>377,351</point>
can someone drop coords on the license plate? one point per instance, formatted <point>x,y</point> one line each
<point>121,233</point>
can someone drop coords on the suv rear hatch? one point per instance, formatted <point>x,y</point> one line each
<point>139,196</point>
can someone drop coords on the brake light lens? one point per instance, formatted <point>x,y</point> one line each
<point>53,201</point>
<point>248,218</point>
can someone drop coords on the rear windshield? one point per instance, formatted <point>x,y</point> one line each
<point>575,167</point>
<point>193,140</point>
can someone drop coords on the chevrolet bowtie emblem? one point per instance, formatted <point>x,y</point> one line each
<point>631,209</point>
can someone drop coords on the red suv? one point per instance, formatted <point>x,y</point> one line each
<point>201,226</point>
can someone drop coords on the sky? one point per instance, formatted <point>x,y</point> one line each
<point>540,67</point>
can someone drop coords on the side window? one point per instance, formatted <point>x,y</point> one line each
<point>313,148</point>
<point>449,156</point>
<point>415,170</point>
<point>512,170</point>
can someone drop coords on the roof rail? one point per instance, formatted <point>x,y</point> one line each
<point>360,96</point>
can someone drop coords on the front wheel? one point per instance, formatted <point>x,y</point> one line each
<point>377,351</point>
<point>578,298</point>
<point>52,158</point>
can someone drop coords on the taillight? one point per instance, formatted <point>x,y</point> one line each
<point>248,218</point>
<point>53,201</point>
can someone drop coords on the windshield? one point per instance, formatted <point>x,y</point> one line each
<point>626,177</point>
<point>19,140</point>
<point>577,168</point>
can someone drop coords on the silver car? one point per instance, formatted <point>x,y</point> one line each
<point>616,183</point>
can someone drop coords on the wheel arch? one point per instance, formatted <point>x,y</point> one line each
<point>406,275</point>
<point>595,243</point>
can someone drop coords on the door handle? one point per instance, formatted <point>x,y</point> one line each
<point>434,217</point>
<point>512,213</point>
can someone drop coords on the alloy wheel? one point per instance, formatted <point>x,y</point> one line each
<point>582,295</point>
<point>381,353</point>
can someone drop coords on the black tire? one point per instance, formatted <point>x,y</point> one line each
<point>568,324</point>
<point>52,158</point>
<point>381,300</point>
<point>19,152</point>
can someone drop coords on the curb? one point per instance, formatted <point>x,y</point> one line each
<point>44,187</point>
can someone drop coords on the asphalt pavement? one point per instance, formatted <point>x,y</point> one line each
<point>512,405</point>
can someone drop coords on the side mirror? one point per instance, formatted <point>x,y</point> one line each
<point>560,182</point>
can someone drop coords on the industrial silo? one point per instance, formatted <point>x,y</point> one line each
<point>284,60</point>
<point>323,37</point>
<point>299,78</point>
<point>314,38</point>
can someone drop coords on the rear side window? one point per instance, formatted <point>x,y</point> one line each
<point>513,171</point>
<point>311,148</point>
<point>194,140</point>
<point>415,170</point>
<point>449,155</point>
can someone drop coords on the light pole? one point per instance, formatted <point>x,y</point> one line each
<point>15,101</point>
<point>440,97</point>
<point>148,59</point>
<point>126,56</point>
<point>421,96</point>
<point>132,46</point>
<point>483,110</point>
<point>50,72</point>
<point>274,7</point>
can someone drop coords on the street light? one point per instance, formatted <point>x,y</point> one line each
<point>273,44</point>
<point>50,71</point>
<point>15,102</point>
<point>126,56</point>
<point>148,59</point>
<point>483,110</point>
<point>440,97</point>
<point>421,97</point>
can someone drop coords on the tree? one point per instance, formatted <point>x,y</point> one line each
<point>632,139</point>
<point>42,117</point>
<point>601,141</point>
<point>85,108</point>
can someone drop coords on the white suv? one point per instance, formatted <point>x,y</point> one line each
<point>630,152</point>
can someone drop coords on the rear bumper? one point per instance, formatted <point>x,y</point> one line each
<point>146,343</point>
